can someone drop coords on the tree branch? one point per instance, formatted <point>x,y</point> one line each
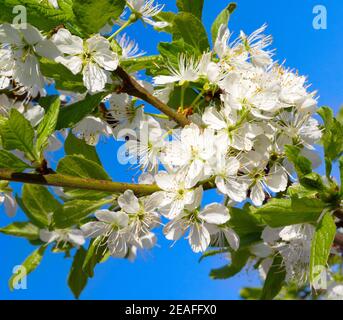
<point>133,88</point>
<point>59,180</point>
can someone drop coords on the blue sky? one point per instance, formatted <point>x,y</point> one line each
<point>174,273</point>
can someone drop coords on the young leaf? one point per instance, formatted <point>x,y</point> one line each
<point>238,261</point>
<point>194,7</point>
<point>9,161</point>
<point>77,279</point>
<point>275,279</point>
<point>17,133</point>
<point>47,126</point>
<point>92,15</point>
<point>75,210</point>
<point>321,246</point>
<point>75,146</point>
<point>21,229</point>
<point>40,203</point>
<point>285,212</point>
<point>192,31</point>
<point>74,113</point>
<point>29,265</point>
<point>222,18</point>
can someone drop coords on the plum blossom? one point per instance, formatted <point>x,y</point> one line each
<point>92,57</point>
<point>112,227</point>
<point>143,218</point>
<point>192,153</point>
<point>200,224</point>
<point>176,193</point>
<point>27,45</point>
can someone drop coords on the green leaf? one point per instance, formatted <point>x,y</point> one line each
<point>92,15</point>
<point>302,165</point>
<point>75,210</point>
<point>238,261</point>
<point>95,254</point>
<point>275,279</point>
<point>9,161</point>
<point>47,126</point>
<point>299,191</point>
<point>77,279</point>
<point>285,212</point>
<point>222,18</point>
<point>64,79</point>
<point>41,14</point>
<point>321,246</point>
<point>194,7</point>
<point>17,133</point>
<point>70,115</point>
<point>40,203</point>
<point>78,166</point>
<point>21,229</point>
<point>244,222</point>
<point>171,51</point>
<point>30,264</point>
<point>332,137</point>
<point>75,146</point>
<point>165,16</point>
<point>313,181</point>
<point>191,30</point>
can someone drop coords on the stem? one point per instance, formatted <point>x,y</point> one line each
<point>156,115</point>
<point>126,24</point>
<point>133,88</point>
<point>182,102</point>
<point>199,96</point>
<point>59,180</point>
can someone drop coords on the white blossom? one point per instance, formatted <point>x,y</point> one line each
<point>92,57</point>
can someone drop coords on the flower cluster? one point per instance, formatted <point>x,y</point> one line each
<point>245,109</point>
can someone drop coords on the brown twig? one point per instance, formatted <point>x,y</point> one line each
<point>133,88</point>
